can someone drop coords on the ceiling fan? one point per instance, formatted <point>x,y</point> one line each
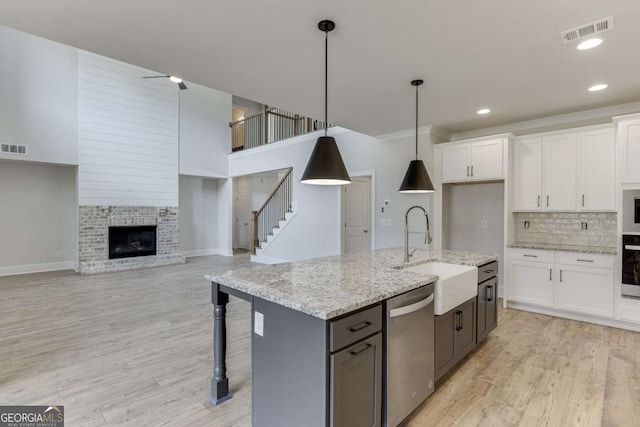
<point>174,79</point>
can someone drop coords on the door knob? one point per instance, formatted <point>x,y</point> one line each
<point>366,231</point>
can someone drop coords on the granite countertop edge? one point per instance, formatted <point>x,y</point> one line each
<point>602,250</point>
<point>271,282</point>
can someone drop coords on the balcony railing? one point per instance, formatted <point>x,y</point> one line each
<point>271,125</point>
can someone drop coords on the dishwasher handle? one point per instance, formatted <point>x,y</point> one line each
<point>407,309</point>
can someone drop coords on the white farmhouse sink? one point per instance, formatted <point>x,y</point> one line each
<point>455,285</point>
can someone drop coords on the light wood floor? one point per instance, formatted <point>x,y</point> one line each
<point>134,348</point>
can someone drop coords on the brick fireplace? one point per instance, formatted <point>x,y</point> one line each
<point>93,241</point>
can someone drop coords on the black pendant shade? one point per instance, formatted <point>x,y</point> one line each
<point>325,166</point>
<point>416,180</point>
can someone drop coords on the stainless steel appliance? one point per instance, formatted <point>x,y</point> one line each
<point>631,265</point>
<point>409,368</point>
<point>631,211</point>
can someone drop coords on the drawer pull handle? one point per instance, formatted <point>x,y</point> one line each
<point>360,326</point>
<point>488,271</point>
<point>356,352</point>
<point>585,260</point>
<point>530,256</point>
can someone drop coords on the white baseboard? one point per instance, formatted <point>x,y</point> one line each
<point>267,260</point>
<point>604,321</point>
<point>206,252</point>
<point>36,268</point>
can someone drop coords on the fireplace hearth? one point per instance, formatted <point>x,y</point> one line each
<point>132,241</point>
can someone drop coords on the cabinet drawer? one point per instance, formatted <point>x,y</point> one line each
<point>536,255</point>
<point>487,271</point>
<point>353,328</point>
<point>585,260</point>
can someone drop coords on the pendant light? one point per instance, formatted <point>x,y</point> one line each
<point>416,180</point>
<point>325,166</point>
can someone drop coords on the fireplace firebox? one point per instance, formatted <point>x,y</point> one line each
<point>129,241</point>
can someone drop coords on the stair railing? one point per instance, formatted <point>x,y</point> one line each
<point>271,125</point>
<point>272,211</point>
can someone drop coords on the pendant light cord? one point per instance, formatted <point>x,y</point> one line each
<point>416,122</point>
<point>326,85</point>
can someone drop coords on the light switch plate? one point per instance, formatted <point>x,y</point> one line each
<point>258,323</point>
<point>385,222</point>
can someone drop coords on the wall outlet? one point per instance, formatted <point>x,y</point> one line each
<point>56,254</point>
<point>386,222</point>
<point>526,224</point>
<point>387,202</point>
<point>483,223</point>
<point>258,323</point>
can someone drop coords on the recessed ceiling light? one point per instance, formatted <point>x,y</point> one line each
<point>598,87</point>
<point>175,79</point>
<point>484,111</point>
<point>589,43</point>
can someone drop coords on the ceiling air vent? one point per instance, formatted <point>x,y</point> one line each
<point>13,149</point>
<point>588,30</point>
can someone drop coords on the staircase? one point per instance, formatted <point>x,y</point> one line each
<point>273,215</point>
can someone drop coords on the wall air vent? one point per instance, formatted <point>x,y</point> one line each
<point>587,30</point>
<point>13,149</point>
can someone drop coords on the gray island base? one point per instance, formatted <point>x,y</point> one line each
<point>318,334</point>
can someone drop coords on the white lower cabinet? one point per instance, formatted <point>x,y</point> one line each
<point>585,290</point>
<point>564,284</point>
<point>532,283</point>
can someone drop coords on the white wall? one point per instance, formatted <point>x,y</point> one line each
<point>198,216</point>
<point>38,217</point>
<point>128,135</point>
<point>315,231</point>
<point>38,98</point>
<point>205,135</point>
<point>251,107</point>
<point>468,206</point>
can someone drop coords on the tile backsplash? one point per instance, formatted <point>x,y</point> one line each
<point>567,228</point>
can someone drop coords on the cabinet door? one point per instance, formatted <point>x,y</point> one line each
<point>487,308</point>
<point>629,137</point>
<point>585,290</point>
<point>560,172</point>
<point>597,170</point>
<point>531,283</point>
<point>481,317</point>
<point>356,384</point>
<point>527,189</point>
<point>465,328</point>
<point>455,163</point>
<point>445,346</point>
<point>492,305</point>
<point>486,160</point>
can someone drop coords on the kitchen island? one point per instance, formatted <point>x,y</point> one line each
<point>298,309</point>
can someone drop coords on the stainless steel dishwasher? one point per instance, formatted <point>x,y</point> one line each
<point>410,367</point>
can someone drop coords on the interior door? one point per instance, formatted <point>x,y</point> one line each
<point>243,221</point>
<point>357,215</point>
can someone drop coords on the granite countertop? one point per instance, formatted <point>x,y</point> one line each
<point>331,286</point>
<point>605,250</point>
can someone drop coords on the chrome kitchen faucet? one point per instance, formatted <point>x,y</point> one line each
<point>427,234</point>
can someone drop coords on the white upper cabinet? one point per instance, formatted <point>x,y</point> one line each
<point>472,161</point>
<point>486,159</point>
<point>597,170</point>
<point>455,163</point>
<point>629,139</point>
<point>560,169</point>
<point>527,166</point>
<point>569,171</point>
